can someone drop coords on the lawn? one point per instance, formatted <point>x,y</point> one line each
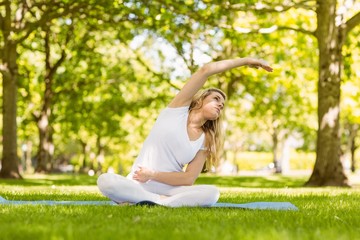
<point>324,213</point>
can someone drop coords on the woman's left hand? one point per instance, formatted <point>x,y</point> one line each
<point>259,63</point>
<point>143,174</point>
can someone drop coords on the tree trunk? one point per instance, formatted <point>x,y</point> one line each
<point>46,146</point>
<point>275,140</point>
<point>9,70</point>
<point>85,150</point>
<point>43,156</point>
<point>27,157</point>
<point>353,162</point>
<point>285,156</point>
<point>100,158</point>
<point>45,143</point>
<point>354,131</point>
<point>328,169</point>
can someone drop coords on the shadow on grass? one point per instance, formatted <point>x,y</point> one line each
<point>49,180</point>
<point>271,181</point>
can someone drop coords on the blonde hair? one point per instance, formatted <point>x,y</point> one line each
<point>212,129</point>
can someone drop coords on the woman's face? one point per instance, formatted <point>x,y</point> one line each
<point>213,105</point>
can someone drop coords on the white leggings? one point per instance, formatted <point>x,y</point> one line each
<point>121,189</point>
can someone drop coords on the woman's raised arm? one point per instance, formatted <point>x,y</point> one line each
<point>198,79</point>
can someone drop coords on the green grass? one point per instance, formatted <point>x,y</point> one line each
<point>324,213</point>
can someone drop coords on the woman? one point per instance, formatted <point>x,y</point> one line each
<point>186,133</point>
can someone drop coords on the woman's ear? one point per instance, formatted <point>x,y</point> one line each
<point>198,103</point>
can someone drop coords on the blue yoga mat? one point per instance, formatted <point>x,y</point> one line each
<point>252,205</point>
<point>259,205</point>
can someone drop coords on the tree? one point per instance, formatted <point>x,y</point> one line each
<point>18,19</point>
<point>332,30</point>
<point>9,71</point>
<point>46,145</point>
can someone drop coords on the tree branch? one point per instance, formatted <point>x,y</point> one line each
<point>53,69</point>
<point>20,14</point>
<point>268,7</point>
<point>63,54</point>
<point>47,49</point>
<point>352,22</point>
<point>50,14</point>
<point>312,33</point>
<point>159,75</point>
<point>267,30</point>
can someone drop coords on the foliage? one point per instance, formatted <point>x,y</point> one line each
<point>127,59</point>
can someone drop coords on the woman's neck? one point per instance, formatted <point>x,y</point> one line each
<point>196,119</point>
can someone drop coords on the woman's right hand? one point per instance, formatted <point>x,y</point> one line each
<point>143,174</point>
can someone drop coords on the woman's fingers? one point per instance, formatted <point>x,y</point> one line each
<point>261,63</point>
<point>267,68</point>
<point>265,65</point>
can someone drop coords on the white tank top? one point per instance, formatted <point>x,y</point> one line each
<point>168,147</point>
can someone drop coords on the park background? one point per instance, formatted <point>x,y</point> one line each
<point>83,82</point>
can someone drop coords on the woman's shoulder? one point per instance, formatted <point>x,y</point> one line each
<point>176,109</point>
<point>173,112</point>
